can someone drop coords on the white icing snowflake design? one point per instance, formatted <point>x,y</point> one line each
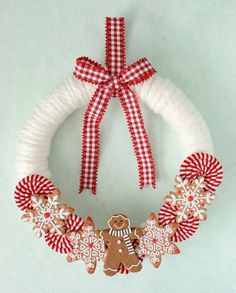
<point>156,241</point>
<point>74,254</point>
<point>91,247</point>
<point>190,198</point>
<point>88,247</point>
<point>47,214</point>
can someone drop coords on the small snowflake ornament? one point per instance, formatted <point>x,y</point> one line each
<point>190,198</point>
<point>156,241</point>
<point>47,213</point>
<point>87,246</point>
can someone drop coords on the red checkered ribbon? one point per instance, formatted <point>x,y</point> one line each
<point>114,81</point>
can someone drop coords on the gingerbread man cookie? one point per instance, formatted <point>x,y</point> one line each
<point>120,247</point>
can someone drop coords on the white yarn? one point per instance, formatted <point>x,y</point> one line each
<point>163,98</point>
<point>160,95</point>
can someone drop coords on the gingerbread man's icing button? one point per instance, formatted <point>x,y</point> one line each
<point>120,250</point>
<point>118,241</point>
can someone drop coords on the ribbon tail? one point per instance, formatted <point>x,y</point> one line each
<point>140,141</point>
<point>90,139</point>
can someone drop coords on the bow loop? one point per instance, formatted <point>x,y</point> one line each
<point>137,72</point>
<point>90,71</point>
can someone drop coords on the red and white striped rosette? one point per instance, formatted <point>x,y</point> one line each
<point>203,164</point>
<point>62,243</point>
<point>59,243</point>
<point>186,228</point>
<point>33,184</point>
<point>73,223</point>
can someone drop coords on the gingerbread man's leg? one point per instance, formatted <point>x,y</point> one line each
<point>133,263</point>
<point>111,265</point>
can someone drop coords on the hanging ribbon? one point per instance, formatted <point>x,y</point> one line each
<point>114,81</point>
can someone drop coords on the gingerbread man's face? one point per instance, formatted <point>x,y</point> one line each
<point>118,222</point>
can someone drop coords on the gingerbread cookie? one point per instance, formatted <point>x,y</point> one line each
<point>120,249</point>
<point>156,241</point>
<point>190,198</point>
<point>47,213</point>
<point>87,246</point>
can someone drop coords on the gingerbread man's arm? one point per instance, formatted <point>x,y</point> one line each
<point>104,234</point>
<point>136,233</point>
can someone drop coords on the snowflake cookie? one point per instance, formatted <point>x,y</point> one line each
<point>47,213</point>
<point>156,241</point>
<point>87,246</point>
<point>190,197</point>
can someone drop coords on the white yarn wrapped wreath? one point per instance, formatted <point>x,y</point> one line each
<point>121,247</point>
<point>160,95</point>
<point>32,192</point>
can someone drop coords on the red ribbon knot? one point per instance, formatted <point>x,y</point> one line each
<point>114,81</point>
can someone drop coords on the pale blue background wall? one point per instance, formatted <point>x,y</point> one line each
<point>192,42</point>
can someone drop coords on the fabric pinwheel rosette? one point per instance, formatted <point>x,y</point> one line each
<point>120,246</point>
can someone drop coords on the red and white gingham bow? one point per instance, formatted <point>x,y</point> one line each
<point>114,81</point>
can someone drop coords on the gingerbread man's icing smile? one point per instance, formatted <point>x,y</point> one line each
<point>118,222</point>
